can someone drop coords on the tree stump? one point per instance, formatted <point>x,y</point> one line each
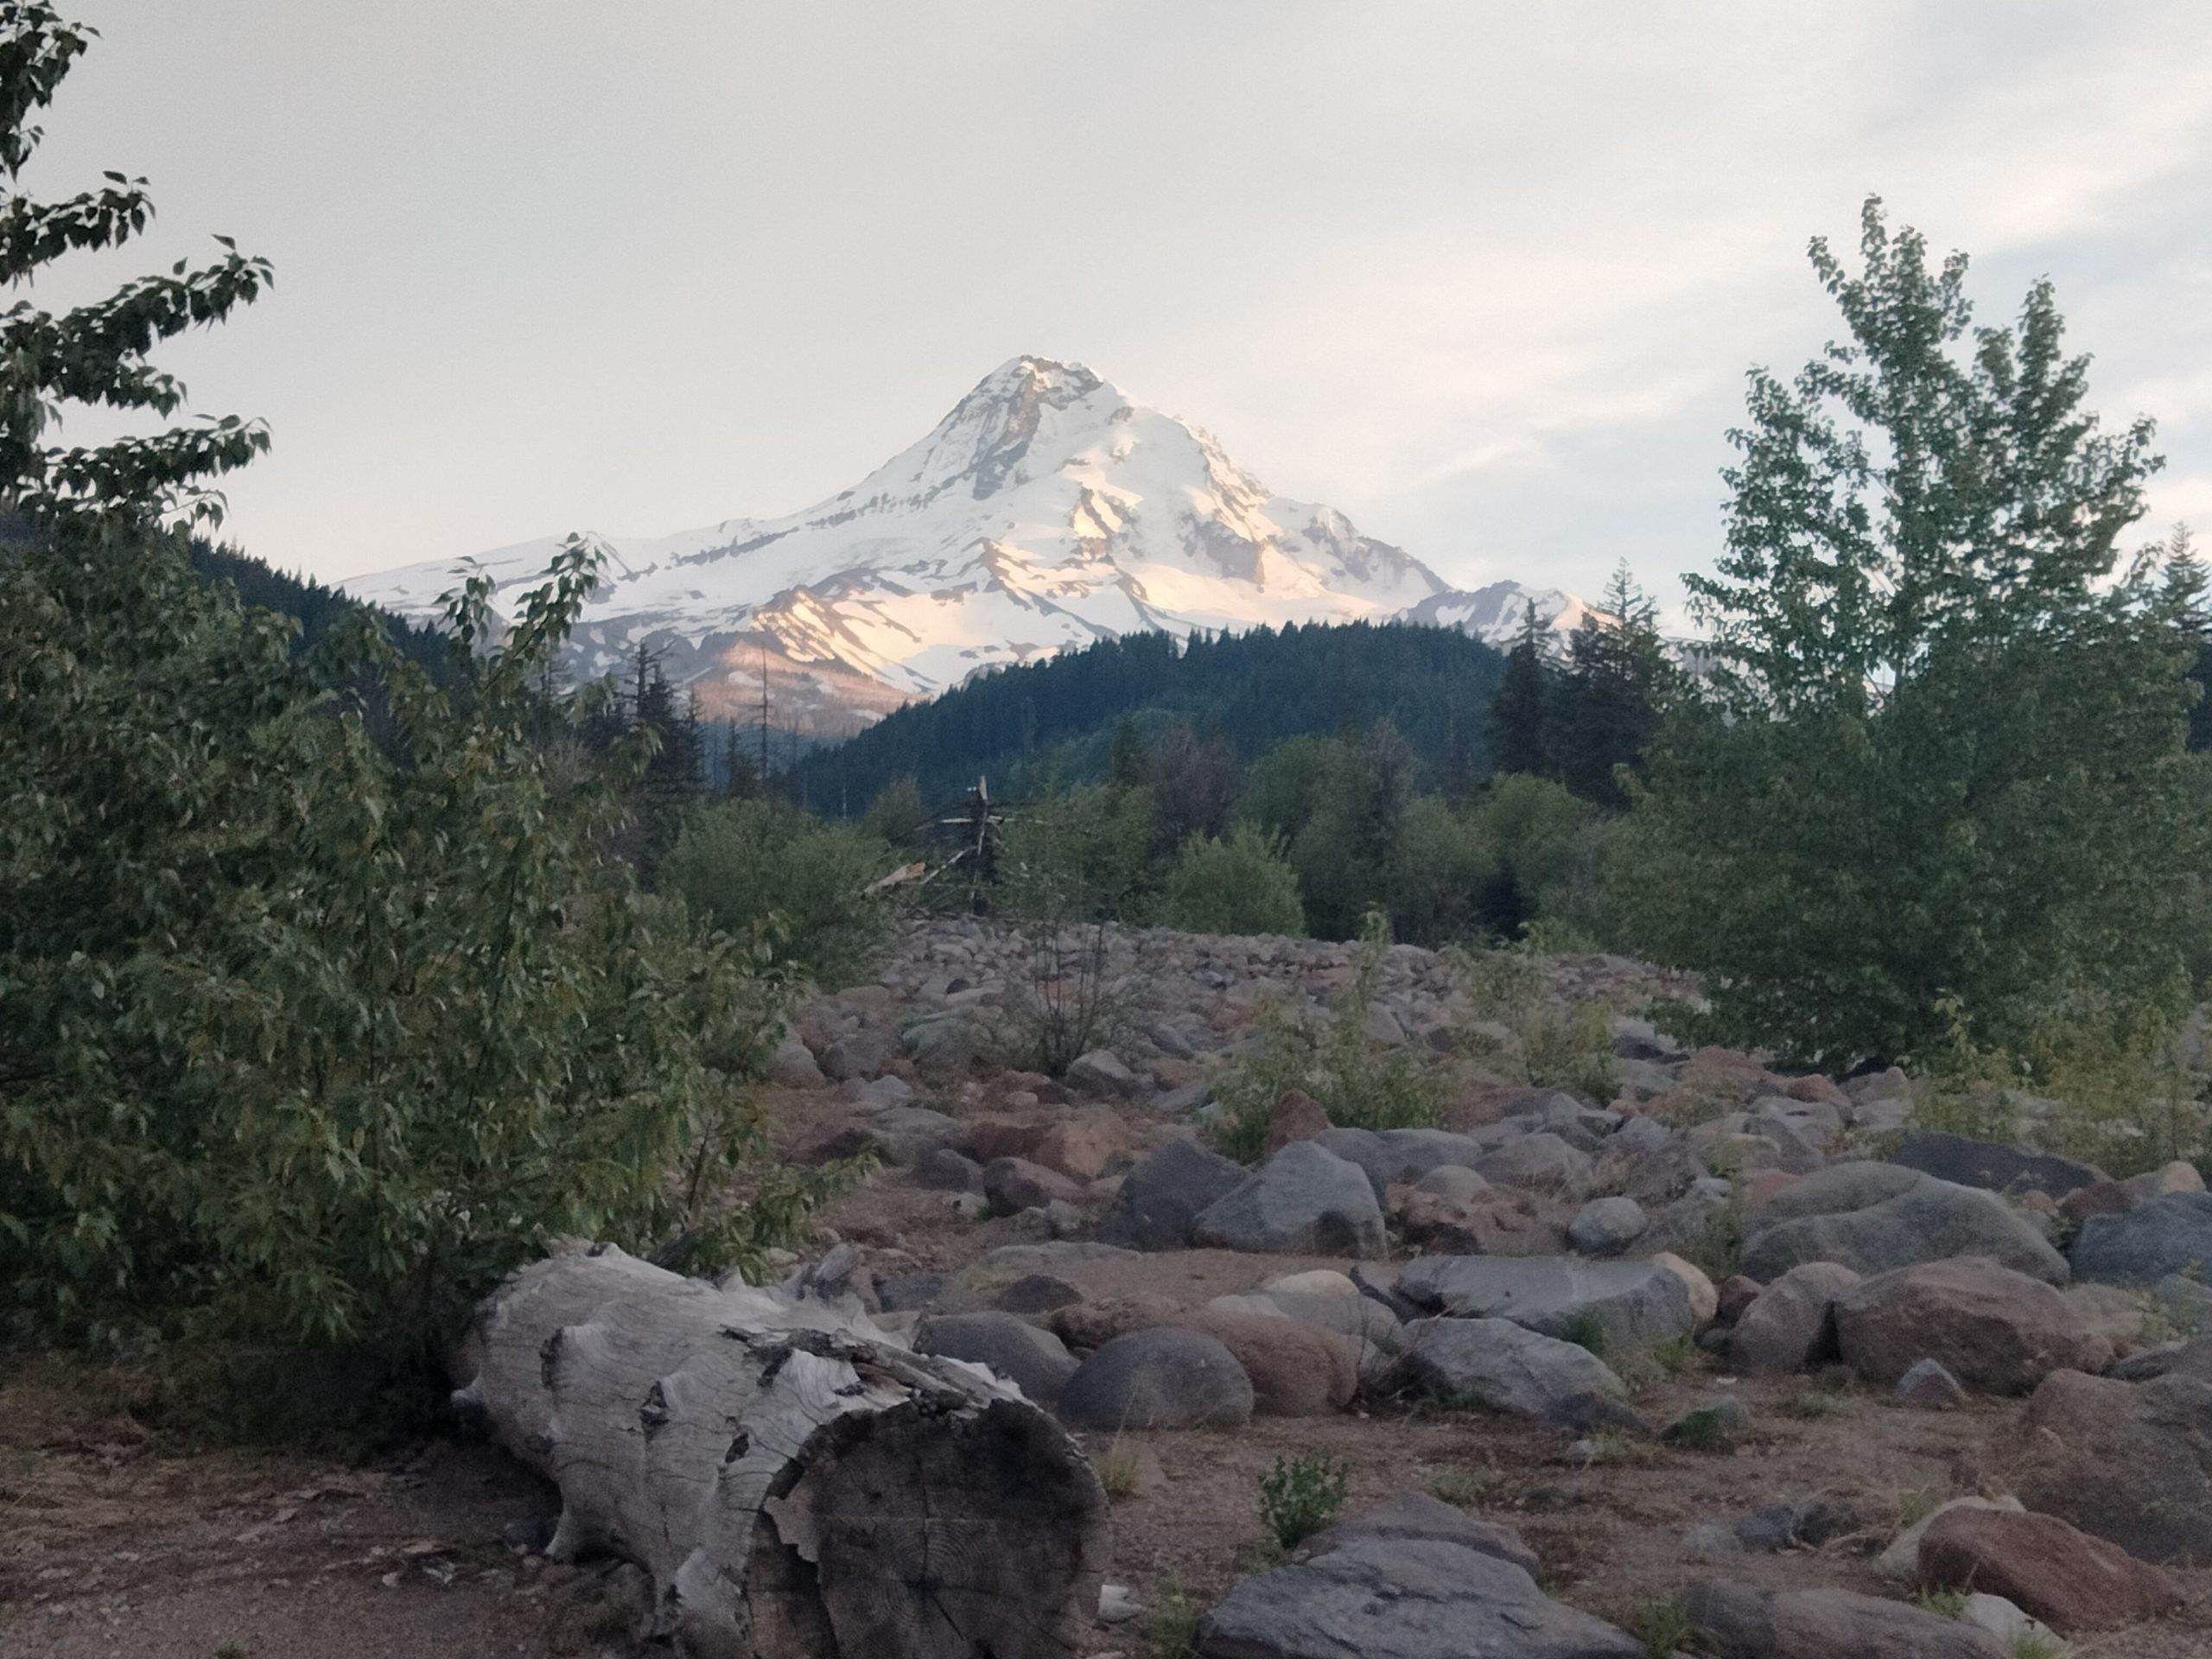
<point>796,1483</point>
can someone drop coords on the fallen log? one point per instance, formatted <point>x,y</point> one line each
<point>796,1485</point>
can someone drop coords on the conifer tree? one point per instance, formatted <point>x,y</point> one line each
<point>1607,707</point>
<point>1520,712</point>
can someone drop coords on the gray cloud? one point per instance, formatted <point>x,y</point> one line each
<point>1484,275</point>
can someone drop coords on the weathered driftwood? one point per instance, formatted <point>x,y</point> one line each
<point>794,1483</point>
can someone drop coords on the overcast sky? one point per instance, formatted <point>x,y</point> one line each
<point>1484,275</point>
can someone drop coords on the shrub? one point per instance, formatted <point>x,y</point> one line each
<point>309,1030</point>
<point>1359,1084</point>
<point>766,869</point>
<point>1663,1625</point>
<point>1241,885</point>
<point>1300,1496</point>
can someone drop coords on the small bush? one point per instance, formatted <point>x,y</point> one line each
<point>1814,1405</point>
<point>1119,1467</point>
<point>2035,1644</point>
<point>1944,1604</point>
<point>1240,885</point>
<point>1663,1625</point>
<point>1585,1328</point>
<point>1173,1631</point>
<point>1717,1249</point>
<point>1702,1428</point>
<point>1455,1484</point>
<point>1300,1496</point>
<point>1676,1356</point>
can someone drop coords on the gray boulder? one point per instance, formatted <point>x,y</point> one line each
<point>947,1044</point>
<point>1875,1217</point>
<point>1990,1164</point>
<point>1506,1367</point>
<point>1035,1361</point>
<point>2171,1235</point>
<point>1791,1324</point>
<point>1305,1200</point>
<point>791,1066</point>
<point>1416,1515</point>
<point>1395,1157</point>
<point>1631,1301</point>
<point>1381,1597</point>
<point>1013,1184</point>
<point>1161,1378</point>
<point>1542,1160</point>
<point>1101,1072</point>
<point>1607,1226</point>
<point>1738,1621</point>
<point>862,1054</point>
<point>1163,1195</point>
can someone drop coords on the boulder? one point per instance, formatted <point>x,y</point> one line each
<point>1013,1184</point>
<point>1628,1302</point>
<point>1735,1621</point>
<point>1305,1200</point>
<point>1606,1226</point>
<point>1297,1116</point>
<point>1874,1217</point>
<point>1900,1562</point>
<point>1162,1378</point>
<point>1996,1331</point>
<point>791,1066</point>
<point>1101,1072</point>
<point>1541,1160</point>
<point>1036,1293</point>
<point>1704,1296</point>
<point>945,1046</point>
<point>1417,1514</point>
<point>1496,1221</point>
<point>2048,1569</point>
<point>2166,1234</point>
<point>1927,1386</point>
<point>1163,1195</point>
<point>1297,1369</point>
<point>2131,1462</point>
<point>1083,1147</point>
<point>1393,1157</point>
<point>1381,1597</point>
<point>1088,1325</point>
<point>1506,1367</point>
<point>862,1054</point>
<point>1791,1326</point>
<point>1990,1164</point>
<point>1035,1361</point>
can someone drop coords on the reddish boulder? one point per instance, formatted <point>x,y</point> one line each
<point>1082,1147</point>
<point>1297,1116</point>
<point>2052,1571</point>
<point>1997,1331</point>
<point>1297,1369</point>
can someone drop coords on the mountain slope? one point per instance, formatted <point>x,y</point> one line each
<point>1047,510</point>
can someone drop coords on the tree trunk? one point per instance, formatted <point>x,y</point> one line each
<point>797,1484</point>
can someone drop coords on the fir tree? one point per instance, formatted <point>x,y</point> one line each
<point>1520,713</point>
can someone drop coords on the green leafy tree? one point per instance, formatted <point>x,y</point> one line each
<point>306,1032</point>
<point>1941,764</point>
<point>768,869</point>
<point>1240,884</point>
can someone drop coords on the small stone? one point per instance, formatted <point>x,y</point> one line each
<point>1101,1072</point>
<point>1928,1386</point>
<point>1117,1603</point>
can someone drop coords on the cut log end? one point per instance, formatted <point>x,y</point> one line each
<point>797,1486</point>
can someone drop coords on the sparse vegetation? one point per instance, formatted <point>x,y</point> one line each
<point>1455,1484</point>
<point>1701,1428</point>
<point>1586,1328</point>
<point>1662,1624</point>
<point>1944,1604</point>
<point>1119,1467</point>
<point>1359,1084</point>
<point>1300,1496</point>
<point>1172,1631</point>
<point>1815,1405</point>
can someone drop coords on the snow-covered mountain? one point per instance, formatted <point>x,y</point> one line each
<point>1046,510</point>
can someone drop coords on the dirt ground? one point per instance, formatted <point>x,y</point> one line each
<point>115,1543</point>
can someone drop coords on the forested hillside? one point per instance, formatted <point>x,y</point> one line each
<point>1057,717</point>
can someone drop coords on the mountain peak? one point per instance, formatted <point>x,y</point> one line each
<point>1047,509</point>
